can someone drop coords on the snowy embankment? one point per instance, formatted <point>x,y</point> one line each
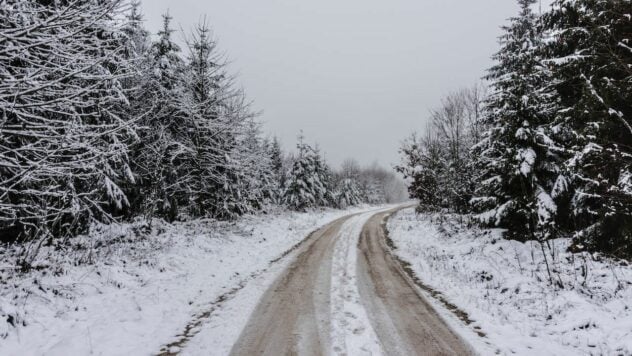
<point>504,287</point>
<point>133,292</point>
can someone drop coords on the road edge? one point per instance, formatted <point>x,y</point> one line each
<point>441,305</point>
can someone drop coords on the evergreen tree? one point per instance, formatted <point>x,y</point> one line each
<point>591,53</point>
<point>159,155</point>
<point>347,192</point>
<point>256,167</point>
<point>63,138</point>
<point>325,175</point>
<point>305,186</point>
<point>217,118</point>
<point>278,170</point>
<point>517,158</point>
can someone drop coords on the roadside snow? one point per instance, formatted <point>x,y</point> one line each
<point>144,285</point>
<point>504,287</point>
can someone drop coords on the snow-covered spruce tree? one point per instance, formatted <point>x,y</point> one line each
<point>326,176</point>
<point>63,139</point>
<point>519,165</point>
<point>278,170</point>
<point>347,192</point>
<point>216,119</point>
<point>305,187</point>
<point>259,182</point>
<point>347,185</point>
<point>137,41</point>
<point>591,52</point>
<point>158,156</point>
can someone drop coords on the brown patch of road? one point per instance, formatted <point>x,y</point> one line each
<point>404,321</point>
<point>293,316</point>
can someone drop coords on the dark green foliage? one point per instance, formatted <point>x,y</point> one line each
<point>591,54</point>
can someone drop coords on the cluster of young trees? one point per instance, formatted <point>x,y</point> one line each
<point>551,154</point>
<point>440,163</point>
<point>100,120</point>
<point>309,182</point>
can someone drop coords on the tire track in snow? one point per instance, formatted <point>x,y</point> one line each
<point>351,330</point>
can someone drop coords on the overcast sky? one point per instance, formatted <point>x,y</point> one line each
<point>356,75</point>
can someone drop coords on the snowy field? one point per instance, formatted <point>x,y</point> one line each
<point>504,287</point>
<point>133,292</point>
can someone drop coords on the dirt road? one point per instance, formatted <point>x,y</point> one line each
<point>345,294</point>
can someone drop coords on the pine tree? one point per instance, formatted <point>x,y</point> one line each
<point>255,165</point>
<point>305,186</point>
<point>278,170</point>
<point>591,53</point>
<point>63,140</point>
<point>518,162</point>
<point>136,36</point>
<point>217,118</point>
<point>159,154</point>
<point>327,197</point>
<point>347,185</point>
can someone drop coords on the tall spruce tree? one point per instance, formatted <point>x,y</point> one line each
<point>276,157</point>
<point>161,150</point>
<point>218,117</point>
<point>591,53</point>
<point>519,166</point>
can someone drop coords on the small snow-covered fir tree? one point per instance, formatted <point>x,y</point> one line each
<point>519,168</point>
<point>278,170</point>
<point>348,193</point>
<point>305,187</point>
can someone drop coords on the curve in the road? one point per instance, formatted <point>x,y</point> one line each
<point>404,320</point>
<point>295,315</point>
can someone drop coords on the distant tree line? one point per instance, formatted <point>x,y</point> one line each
<point>548,151</point>
<point>307,182</point>
<point>101,121</point>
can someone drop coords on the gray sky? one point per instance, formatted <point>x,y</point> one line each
<point>356,75</point>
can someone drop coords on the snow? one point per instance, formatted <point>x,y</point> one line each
<point>351,330</point>
<point>546,207</point>
<point>141,289</point>
<point>526,157</point>
<point>504,287</point>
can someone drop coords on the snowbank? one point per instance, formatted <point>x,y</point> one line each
<point>504,287</point>
<point>137,287</point>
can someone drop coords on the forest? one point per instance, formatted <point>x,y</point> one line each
<point>543,147</point>
<point>104,122</point>
<point>149,207</point>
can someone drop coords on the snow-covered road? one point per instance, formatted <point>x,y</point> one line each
<point>336,299</point>
<point>143,290</point>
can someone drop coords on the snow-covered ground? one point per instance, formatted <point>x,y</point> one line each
<point>141,289</point>
<point>504,287</point>
<point>351,331</point>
